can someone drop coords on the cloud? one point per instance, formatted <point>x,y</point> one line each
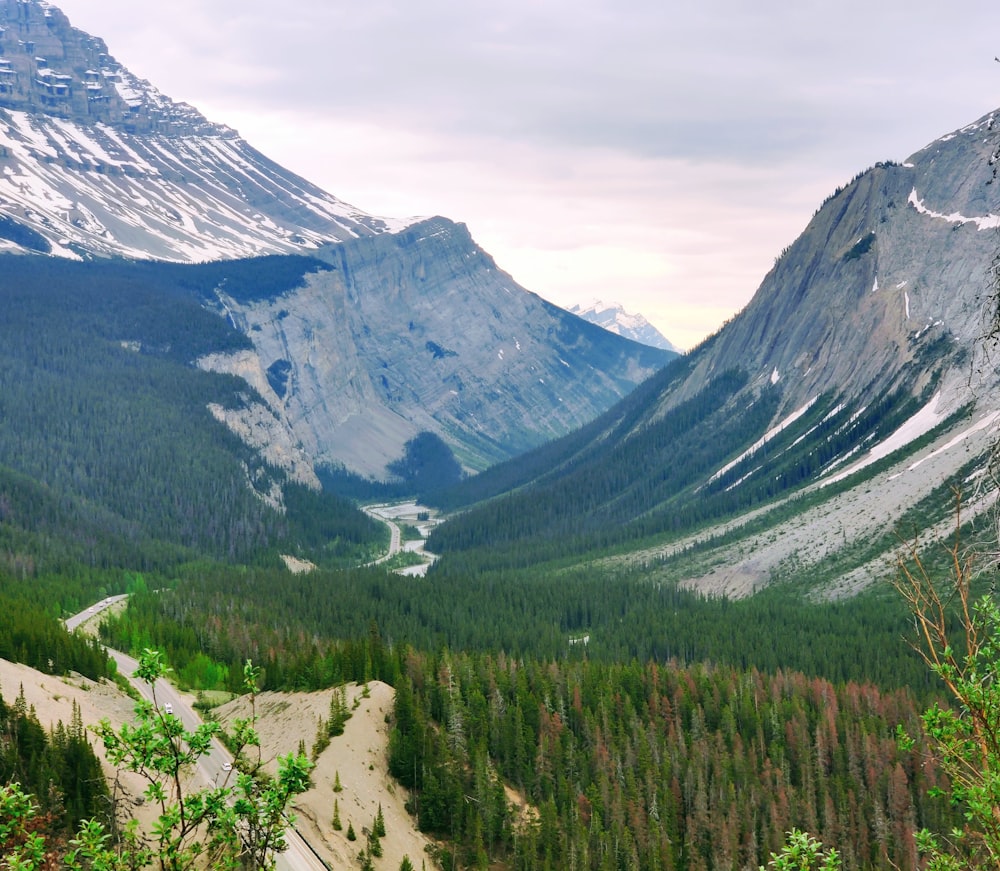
<point>664,150</point>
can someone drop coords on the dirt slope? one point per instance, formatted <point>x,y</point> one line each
<point>358,756</point>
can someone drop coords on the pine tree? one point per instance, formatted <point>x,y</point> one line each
<point>374,845</point>
<point>351,836</point>
<point>378,827</point>
<point>337,825</point>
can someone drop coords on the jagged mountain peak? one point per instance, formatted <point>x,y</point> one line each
<point>49,67</point>
<point>613,317</point>
<point>886,279</point>
<point>97,162</point>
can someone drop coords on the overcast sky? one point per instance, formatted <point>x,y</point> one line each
<point>651,152</point>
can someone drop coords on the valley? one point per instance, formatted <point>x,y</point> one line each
<point>540,595</point>
<point>419,520</point>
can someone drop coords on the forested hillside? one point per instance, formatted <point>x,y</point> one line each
<point>58,767</point>
<point>108,453</point>
<point>656,767</point>
<point>624,481</point>
<point>305,638</point>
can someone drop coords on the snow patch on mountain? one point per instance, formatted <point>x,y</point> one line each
<point>982,222</point>
<point>100,191</point>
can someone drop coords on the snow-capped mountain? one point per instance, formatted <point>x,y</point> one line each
<point>613,317</point>
<point>412,328</point>
<point>96,162</point>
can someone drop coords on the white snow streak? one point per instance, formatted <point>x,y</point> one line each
<point>986,222</point>
<point>986,421</point>
<point>922,422</point>
<point>764,439</point>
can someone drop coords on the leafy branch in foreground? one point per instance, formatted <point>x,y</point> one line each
<point>959,639</point>
<point>802,852</point>
<point>219,826</point>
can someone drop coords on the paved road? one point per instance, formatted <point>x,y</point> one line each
<point>73,622</point>
<point>298,856</point>
<point>395,536</point>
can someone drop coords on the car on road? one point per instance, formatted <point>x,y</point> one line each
<point>227,766</point>
<point>168,708</point>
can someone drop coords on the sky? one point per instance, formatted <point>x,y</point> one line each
<point>655,153</point>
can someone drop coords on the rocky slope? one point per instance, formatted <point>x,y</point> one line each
<point>825,420</point>
<point>413,329</point>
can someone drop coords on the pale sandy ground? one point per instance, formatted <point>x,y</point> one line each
<point>53,697</point>
<point>360,758</point>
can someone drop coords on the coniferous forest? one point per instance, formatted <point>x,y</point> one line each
<point>550,713</point>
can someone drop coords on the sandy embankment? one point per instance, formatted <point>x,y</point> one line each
<point>359,756</point>
<point>53,697</point>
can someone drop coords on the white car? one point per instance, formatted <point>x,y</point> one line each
<point>168,708</point>
<point>227,766</point>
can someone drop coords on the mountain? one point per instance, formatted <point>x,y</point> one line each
<point>407,328</point>
<point>419,331</point>
<point>829,417</point>
<point>613,318</point>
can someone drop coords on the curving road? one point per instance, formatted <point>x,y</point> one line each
<point>78,619</point>
<point>395,536</point>
<point>299,856</point>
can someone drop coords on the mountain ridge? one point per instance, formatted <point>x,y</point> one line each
<point>96,163</point>
<point>859,367</point>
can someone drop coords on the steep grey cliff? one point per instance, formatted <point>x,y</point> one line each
<point>885,285</point>
<point>410,330</point>
<point>420,331</point>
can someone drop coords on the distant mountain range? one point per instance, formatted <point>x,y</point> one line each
<point>830,415</point>
<point>613,317</point>
<point>408,327</point>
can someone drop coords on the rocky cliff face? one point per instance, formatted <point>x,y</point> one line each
<point>49,67</point>
<point>96,162</point>
<point>420,331</point>
<point>885,285</point>
<point>409,330</point>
